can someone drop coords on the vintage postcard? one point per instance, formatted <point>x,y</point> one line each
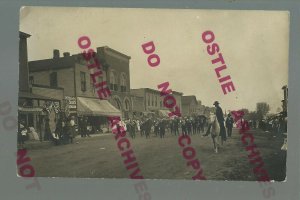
<point>153,93</point>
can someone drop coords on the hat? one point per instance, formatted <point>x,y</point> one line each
<point>216,103</point>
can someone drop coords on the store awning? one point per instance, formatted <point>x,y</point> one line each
<point>30,109</point>
<point>96,107</point>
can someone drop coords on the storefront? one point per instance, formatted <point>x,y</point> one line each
<point>97,112</point>
<point>39,114</point>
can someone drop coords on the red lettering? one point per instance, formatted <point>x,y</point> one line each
<point>228,87</point>
<point>84,42</point>
<point>218,59</point>
<point>219,69</point>
<point>169,101</point>
<point>103,92</point>
<point>156,62</point>
<point>131,166</point>
<point>184,137</point>
<point>27,168</point>
<point>123,141</point>
<point>94,75</point>
<point>129,156</point>
<point>163,87</point>
<point>176,112</point>
<point>21,157</point>
<point>134,175</point>
<point>211,36</point>
<point>89,54</point>
<point>237,115</point>
<point>194,163</point>
<point>148,47</point>
<point>247,135</point>
<point>188,153</point>
<point>223,79</point>
<point>199,175</point>
<point>211,50</point>
<point>96,64</point>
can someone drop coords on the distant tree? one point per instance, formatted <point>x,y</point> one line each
<point>253,116</point>
<point>246,113</point>
<point>262,108</point>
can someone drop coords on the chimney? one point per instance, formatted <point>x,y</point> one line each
<point>66,54</point>
<point>55,53</point>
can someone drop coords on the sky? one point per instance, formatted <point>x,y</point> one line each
<point>254,45</point>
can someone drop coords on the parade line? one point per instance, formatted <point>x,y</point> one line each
<point>169,101</point>
<point>123,143</point>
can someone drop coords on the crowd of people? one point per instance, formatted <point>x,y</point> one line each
<point>216,125</point>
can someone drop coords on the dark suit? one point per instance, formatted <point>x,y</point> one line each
<point>220,118</point>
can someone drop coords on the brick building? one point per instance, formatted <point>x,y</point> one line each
<point>71,73</point>
<point>153,102</point>
<point>37,106</point>
<point>189,105</point>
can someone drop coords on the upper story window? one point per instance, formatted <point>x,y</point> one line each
<point>92,85</point>
<point>152,100</point>
<point>148,99</point>
<point>123,81</point>
<point>83,81</point>
<point>113,81</point>
<point>53,79</point>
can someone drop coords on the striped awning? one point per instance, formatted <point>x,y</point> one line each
<point>96,107</point>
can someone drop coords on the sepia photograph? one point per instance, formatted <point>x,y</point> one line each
<point>136,93</point>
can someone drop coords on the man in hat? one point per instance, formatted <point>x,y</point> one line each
<point>229,124</point>
<point>220,118</point>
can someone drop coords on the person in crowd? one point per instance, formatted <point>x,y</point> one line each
<point>202,123</point>
<point>183,126</point>
<point>85,127</point>
<point>143,127</point>
<point>59,127</point>
<point>162,128</point>
<point>229,124</point>
<point>71,129</point>
<point>80,126</point>
<point>48,134</point>
<point>22,134</point>
<point>148,125</point>
<point>194,125</point>
<point>189,126</point>
<point>156,127</point>
<point>172,126</point>
<point>176,126</point>
<point>220,118</point>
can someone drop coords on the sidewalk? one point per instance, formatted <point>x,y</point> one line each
<point>36,144</point>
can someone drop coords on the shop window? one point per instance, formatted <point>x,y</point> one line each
<point>53,79</point>
<point>83,81</point>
